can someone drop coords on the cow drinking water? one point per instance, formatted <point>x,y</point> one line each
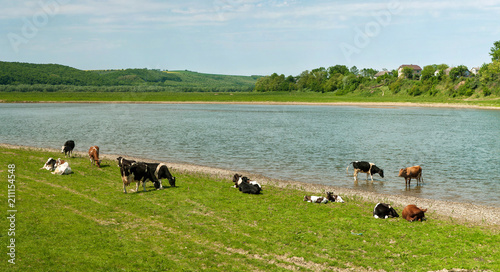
<point>411,172</point>
<point>365,167</point>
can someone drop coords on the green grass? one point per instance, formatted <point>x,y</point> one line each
<point>83,222</point>
<point>307,97</point>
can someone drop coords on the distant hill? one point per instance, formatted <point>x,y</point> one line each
<point>15,73</point>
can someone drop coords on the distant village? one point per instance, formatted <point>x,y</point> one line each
<point>417,71</point>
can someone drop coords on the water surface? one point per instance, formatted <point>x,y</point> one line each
<point>458,149</point>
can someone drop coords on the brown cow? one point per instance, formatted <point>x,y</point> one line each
<point>413,213</point>
<point>94,155</point>
<point>411,172</point>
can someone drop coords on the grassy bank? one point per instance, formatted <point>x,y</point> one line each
<point>307,97</point>
<point>83,222</point>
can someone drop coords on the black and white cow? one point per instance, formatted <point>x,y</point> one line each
<point>68,147</point>
<point>384,211</point>
<point>124,162</point>
<point>334,198</point>
<point>238,179</point>
<point>330,197</point>
<point>245,185</point>
<point>138,172</point>
<point>365,167</point>
<point>50,164</point>
<point>160,171</point>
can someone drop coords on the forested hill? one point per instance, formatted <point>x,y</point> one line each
<point>36,77</point>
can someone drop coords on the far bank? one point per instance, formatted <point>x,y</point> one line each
<point>301,98</point>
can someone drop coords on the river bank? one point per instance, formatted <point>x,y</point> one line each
<point>446,210</point>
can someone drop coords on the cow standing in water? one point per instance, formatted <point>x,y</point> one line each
<point>365,167</point>
<point>411,172</point>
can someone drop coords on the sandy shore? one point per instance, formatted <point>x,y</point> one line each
<point>446,210</point>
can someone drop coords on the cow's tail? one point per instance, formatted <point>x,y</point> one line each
<point>347,169</point>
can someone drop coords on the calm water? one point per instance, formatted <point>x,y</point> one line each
<point>458,149</point>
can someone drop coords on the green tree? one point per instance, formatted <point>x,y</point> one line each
<point>368,72</point>
<point>459,71</point>
<point>408,72</point>
<point>354,70</point>
<point>495,51</point>
<point>337,69</point>
<point>428,72</point>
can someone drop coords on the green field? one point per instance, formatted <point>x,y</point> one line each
<point>84,222</point>
<point>305,97</point>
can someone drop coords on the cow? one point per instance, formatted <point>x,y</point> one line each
<point>50,164</point>
<point>413,213</point>
<point>94,156</point>
<point>124,162</point>
<point>334,198</point>
<point>62,168</point>
<point>68,147</point>
<point>238,179</point>
<point>249,188</point>
<point>137,172</point>
<point>411,172</point>
<point>384,211</point>
<point>316,199</point>
<point>365,167</point>
<point>321,199</point>
<point>160,171</point>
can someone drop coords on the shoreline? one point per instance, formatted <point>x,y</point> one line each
<point>356,104</point>
<point>440,209</point>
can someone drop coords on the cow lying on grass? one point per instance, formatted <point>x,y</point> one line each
<point>245,185</point>
<point>330,197</point>
<point>384,211</point>
<point>413,213</point>
<point>59,166</point>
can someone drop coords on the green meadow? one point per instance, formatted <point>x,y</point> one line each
<point>240,97</point>
<point>84,222</point>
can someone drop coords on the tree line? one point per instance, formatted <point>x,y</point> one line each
<point>433,80</point>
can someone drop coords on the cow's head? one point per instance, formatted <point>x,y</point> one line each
<point>402,172</point>
<point>236,178</point>
<point>98,162</point>
<point>375,169</point>
<point>392,212</point>
<point>172,181</point>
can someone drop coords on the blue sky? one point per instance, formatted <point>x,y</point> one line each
<point>248,37</point>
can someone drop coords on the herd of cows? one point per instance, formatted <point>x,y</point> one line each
<point>133,171</point>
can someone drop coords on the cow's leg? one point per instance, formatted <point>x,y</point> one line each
<point>161,186</point>
<point>137,186</point>
<point>124,188</point>
<point>144,185</point>
<point>356,174</point>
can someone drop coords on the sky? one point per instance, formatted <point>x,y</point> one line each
<point>248,37</point>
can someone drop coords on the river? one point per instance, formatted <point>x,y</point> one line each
<point>458,149</point>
